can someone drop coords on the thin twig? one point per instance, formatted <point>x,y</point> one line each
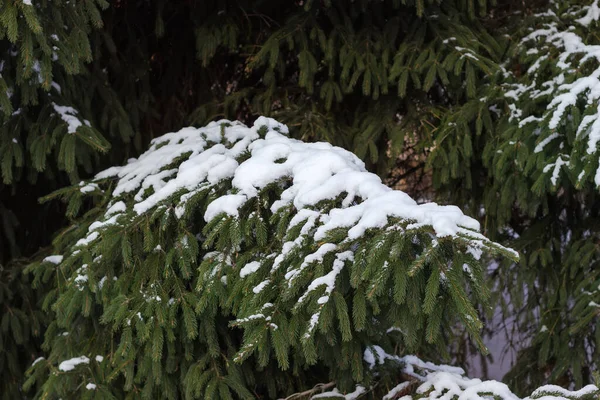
<point>318,387</point>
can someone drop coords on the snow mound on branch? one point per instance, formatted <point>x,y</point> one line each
<point>320,172</point>
<point>209,161</point>
<point>315,172</point>
<point>425,380</point>
<point>69,365</point>
<point>447,385</point>
<point>54,259</point>
<point>322,186</point>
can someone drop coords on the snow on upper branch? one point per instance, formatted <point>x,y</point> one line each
<point>313,172</point>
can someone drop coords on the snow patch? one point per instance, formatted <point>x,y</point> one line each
<point>54,259</point>
<point>37,360</point>
<point>69,365</point>
<point>68,115</point>
<point>249,268</point>
<point>311,172</point>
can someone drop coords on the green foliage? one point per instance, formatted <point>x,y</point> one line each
<point>543,195</point>
<point>529,169</point>
<point>21,327</point>
<point>131,72</point>
<point>454,96</point>
<point>43,46</point>
<point>176,308</point>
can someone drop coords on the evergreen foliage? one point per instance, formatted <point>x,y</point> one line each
<point>222,264</point>
<point>494,106</point>
<point>345,72</point>
<point>42,46</point>
<point>541,192</point>
<point>82,78</point>
<point>21,327</point>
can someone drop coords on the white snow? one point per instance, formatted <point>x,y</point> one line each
<point>259,316</point>
<point>359,391</point>
<point>68,115</point>
<point>315,172</point>
<point>249,268</point>
<point>329,279</point>
<point>540,146</point>
<point>57,87</point>
<point>446,385</point>
<point>89,187</point>
<point>205,163</point>
<point>88,239</point>
<point>252,318</point>
<point>593,13</point>
<point>557,390</point>
<point>319,171</point>
<point>376,355</point>
<point>96,225</point>
<point>54,259</point>
<point>101,282</point>
<point>37,360</point>
<point>555,167</point>
<point>90,386</point>
<point>446,382</point>
<point>81,277</point>
<point>392,394</point>
<point>70,364</point>
<point>117,208</point>
<point>259,288</point>
<point>317,257</point>
<point>229,204</point>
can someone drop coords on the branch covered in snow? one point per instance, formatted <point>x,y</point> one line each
<point>312,173</point>
<point>557,99</point>
<point>294,243</point>
<point>322,191</point>
<point>424,380</point>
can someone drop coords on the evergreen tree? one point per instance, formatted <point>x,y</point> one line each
<point>232,261</point>
<point>22,324</point>
<point>500,118</point>
<point>82,78</point>
<point>544,169</point>
<point>535,185</point>
<point>41,44</point>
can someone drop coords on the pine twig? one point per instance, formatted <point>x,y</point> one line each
<point>318,387</point>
